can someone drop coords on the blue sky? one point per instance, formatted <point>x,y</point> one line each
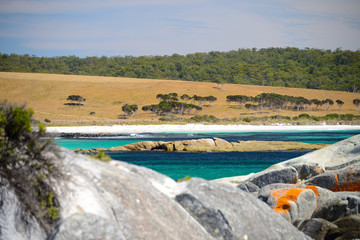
<point>164,27</point>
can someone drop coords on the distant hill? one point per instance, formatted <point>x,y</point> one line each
<point>47,95</point>
<point>281,67</point>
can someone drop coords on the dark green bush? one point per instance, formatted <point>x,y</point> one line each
<point>205,118</point>
<point>47,120</point>
<point>23,165</point>
<point>304,115</point>
<point>247,119</point>
<point>347,116</point>
<point>331,116</point>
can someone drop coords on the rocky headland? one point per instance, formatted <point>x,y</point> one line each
<point>315,196</point>
<point>209,145</point>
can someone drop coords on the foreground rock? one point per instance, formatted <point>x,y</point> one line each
<point>210,145</point>
<point>319,192</point>
<point>116,200</point>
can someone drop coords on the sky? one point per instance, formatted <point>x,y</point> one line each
<point>165,27</point>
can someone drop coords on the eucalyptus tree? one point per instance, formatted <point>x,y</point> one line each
<point>339,103</point>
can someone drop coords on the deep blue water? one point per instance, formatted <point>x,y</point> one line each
<point>208,165</point>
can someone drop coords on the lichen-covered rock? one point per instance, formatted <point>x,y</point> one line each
<point>248,217</point>
<point>316,228</point>
<point>84,226</point>
<point>291,201</point>
<point>345,179</point>
<point>286,175</point>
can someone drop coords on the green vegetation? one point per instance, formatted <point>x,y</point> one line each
<point>23,165</point>
<point>273,101</point>
<point>130,110</point>
<point>205,118</point>
<point>304,117</point>
<point>186,178</point>
<point>102,157</point>
<point>282,67</point>
<point>170,105</point>
<point>356,102</point>
<point>75,100</point>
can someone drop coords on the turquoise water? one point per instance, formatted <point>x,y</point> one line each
<point>207,165</point>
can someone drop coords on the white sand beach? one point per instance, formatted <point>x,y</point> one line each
<point>128,129</point>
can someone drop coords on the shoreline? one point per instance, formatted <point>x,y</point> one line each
<point>129,129</point>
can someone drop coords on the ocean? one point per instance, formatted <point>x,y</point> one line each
<point>207,165</point>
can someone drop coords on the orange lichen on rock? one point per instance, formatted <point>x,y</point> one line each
<point>284,196</point>
<point>313,188</point>
<point>347,180</point>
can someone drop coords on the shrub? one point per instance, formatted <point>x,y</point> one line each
<point>23,165</point>
<point>205,118</point>
<point>102,157</point>
<point>304,115</point>
<point>347,116</point>
<point>47,120</point>
<point>317,119</point>
<point>92,113</point>
<point>186,178</point>
<point>247,119</point>
<point>331,116</point>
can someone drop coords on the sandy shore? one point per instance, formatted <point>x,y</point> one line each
<point>128,129</point>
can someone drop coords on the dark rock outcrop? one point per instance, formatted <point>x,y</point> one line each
<point>317,228</point>
<point>286,175</point>
<point>211,219</point>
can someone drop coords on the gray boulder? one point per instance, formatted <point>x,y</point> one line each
<point>348,228</point>
<point>84,226</point>
<point>306,171</point>
<point>247,216</point>
<point>138,200</point>
<point>335,156</point>
<point>15,222</point>
<point>286,175</point>
<point>353,201</point>
<point>248,187</point>
<point>211,219</point>
<point>316,228</point>
<point>332,210</point>
<point>325,180</point>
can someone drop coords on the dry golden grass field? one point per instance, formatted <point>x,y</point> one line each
<point>47,93</point>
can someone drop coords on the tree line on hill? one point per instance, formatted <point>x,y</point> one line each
<point>281,67</point>
<point>273,101</point>
<point>170,104</point>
